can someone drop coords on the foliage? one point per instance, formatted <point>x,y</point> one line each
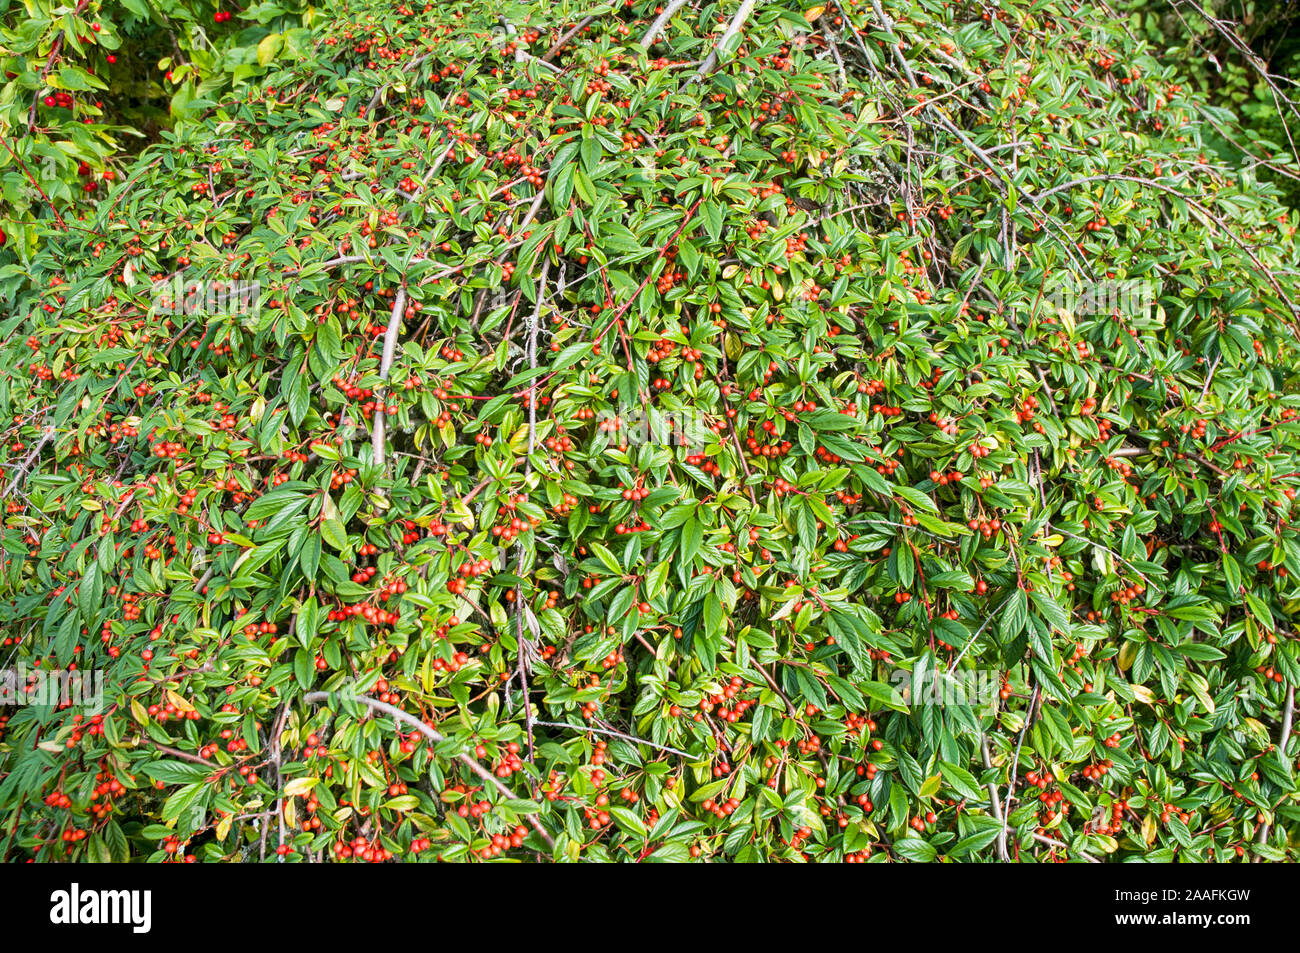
<point>84,81</point>
<point>840,262</point>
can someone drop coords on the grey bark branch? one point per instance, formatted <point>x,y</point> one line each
<point>1281,744</point>
<point>385,365</point>
<point>660,22</point>
<point>316,698</point>
<point>734,27</point>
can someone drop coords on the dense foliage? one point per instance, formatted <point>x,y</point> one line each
<point>637,434</point>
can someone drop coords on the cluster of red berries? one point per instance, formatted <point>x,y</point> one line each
<point>372,852</point>
<point>727,704</point>
<point>510,761</point>
<point>468,570</point>
<point>1126,594</point>
<point>1028,407</point>
<point>704,463</point>
<point>253,630</point>
<point>1096,772</point>
<point>943,479</point>
<point>340,478</point>
<point>722,808</point>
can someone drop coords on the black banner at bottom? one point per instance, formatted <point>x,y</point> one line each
<point>142,904</point>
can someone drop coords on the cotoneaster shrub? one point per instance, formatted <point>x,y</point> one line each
<point>328,552</point>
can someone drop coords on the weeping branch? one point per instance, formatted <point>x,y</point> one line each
<point>317,698</point>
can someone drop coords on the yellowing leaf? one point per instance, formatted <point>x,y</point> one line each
<point>180,703</point>
<point>299,786</point>
<point>268,49</point>
<point>1149,829</point>
<point>1126,655</point>
<point>1201,689</point>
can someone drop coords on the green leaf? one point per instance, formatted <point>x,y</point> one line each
<point>692,535</point>
<point>915,849</point>
<point>333,532</point>
<point>1015,615</point>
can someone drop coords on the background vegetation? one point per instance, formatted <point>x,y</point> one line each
<point>88,83</point>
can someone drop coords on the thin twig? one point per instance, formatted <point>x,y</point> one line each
<point>275,760</point>
<point>1015,767</point>
<point>996,801</point>
<point>46,437</point>
<point>562,41</point>
<point>522,645</point>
